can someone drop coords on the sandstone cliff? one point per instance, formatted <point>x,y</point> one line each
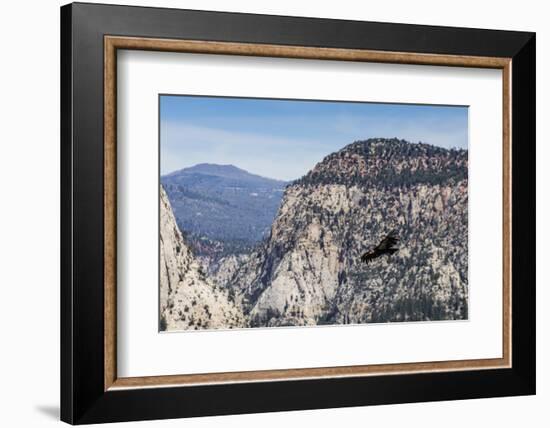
<point>188,299</point>
<point>309,272</point>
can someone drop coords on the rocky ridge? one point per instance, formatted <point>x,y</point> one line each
<point>308,272</point>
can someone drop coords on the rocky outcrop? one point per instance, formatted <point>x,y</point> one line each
<point>188,298</point>
<point>309,272</point>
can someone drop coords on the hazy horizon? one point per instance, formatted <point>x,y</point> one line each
<point>284,139</point>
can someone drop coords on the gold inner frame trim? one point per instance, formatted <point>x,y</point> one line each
<point>113,43</point>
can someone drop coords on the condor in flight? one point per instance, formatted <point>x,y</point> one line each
<point>386,246</point>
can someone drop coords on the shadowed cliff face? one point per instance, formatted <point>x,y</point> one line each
<point>308,270</point>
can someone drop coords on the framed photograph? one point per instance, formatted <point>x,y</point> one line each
<point>265,213</point>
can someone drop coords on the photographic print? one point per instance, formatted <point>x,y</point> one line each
<point>290,213</point>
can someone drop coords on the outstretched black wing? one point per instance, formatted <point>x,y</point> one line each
<point>386,246</point>
<point>388,242</point>
<point>370,256</point>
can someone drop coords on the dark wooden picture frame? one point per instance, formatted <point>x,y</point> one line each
<point>90,389</point>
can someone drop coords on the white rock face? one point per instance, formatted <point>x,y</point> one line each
<point>188,299</point>
<point>226,268</point>
<point>309,271</point>
<point>306,276</point>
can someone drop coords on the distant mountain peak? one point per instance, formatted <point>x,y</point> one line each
<point>221,170</point>
<point>214,167</point>
<point>240,206</point>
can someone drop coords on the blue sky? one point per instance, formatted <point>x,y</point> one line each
<point>284,139</point>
